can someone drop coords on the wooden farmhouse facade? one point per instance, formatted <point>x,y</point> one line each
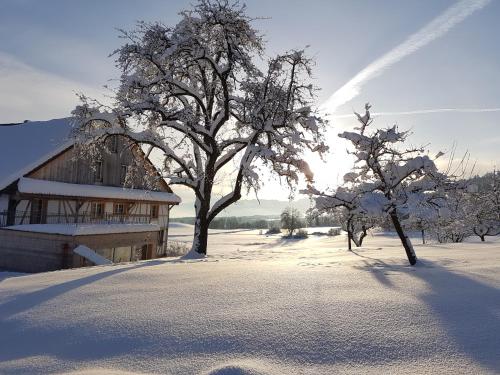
<point>61,208</point>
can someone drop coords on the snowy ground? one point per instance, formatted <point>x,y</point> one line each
<point>262,305</point>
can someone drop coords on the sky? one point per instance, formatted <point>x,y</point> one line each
<point>429,66</point>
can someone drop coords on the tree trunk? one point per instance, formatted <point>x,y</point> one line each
<point>480,233</point>
<point>410,253</point>
<point>359,241</point>
<point>200,239</point>
<point>349,235</point>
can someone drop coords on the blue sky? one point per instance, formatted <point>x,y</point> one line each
<point>51,48</point>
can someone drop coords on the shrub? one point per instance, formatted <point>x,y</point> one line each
<point>334,232</point>
<point>291,220</point>
<point>301,234</point>
<point>273,230</point>
<point>176,249</point>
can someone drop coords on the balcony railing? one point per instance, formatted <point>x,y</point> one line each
<point>105,218</point>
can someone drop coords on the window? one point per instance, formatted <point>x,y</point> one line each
<point>147,251</point>
<point>97,209</point>
<point>154,211</point>
<point>113,144</point>
<point>38,211</point>
<point>123,173</point>
<point>119,208</point>
<point>160,237</point>
<point>122,254</point>
<point>98,171</point>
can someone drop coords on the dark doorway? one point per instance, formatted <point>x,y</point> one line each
<point>11,212</point>
<point>38,211</point>
<point>147,252</point>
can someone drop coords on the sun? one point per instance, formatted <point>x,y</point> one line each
<point>330,170</point>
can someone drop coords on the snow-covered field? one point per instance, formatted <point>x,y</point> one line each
<point>262,305</point>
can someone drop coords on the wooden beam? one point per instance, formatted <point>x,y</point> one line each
<point>28,206</point>
<point>64,197</point>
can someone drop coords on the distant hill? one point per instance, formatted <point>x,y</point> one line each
<point>247,207</point>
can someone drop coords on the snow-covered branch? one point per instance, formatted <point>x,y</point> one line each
<point>194,92</point>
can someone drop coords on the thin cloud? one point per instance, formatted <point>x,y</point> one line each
<point>425,112</point>
<point>438,27</point>
<point>27,93</point>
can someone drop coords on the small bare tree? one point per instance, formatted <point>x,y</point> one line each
<point>485,207</point>
<point>291,220</point>
<point>455,221</point>
<point>391,176</point>
<point>346,203</point>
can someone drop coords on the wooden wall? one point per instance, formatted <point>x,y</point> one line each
<point>4,202</point>
<point>73,167</point>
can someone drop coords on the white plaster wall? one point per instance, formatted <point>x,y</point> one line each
<point>20,210</point>
<point>21,207</point>
<point>144,209</point>
<point>163,215</point>
<point>85,209</point>
<point>4,202</point>
<point>52,207</point>
<point>108,207</point>
<point>71,204</point>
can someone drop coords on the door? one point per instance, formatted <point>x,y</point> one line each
<point>38,211</point>
<point>147,252</point>
<point>11,212</point>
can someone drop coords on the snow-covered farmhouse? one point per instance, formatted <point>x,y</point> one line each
<point>60,209</point>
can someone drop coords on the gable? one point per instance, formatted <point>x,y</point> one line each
<point>149,164</point>
<point>25,146</point>
<point>71,167</point>
<point>44,150</point>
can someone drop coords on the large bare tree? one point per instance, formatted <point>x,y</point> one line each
<point>195,92</point>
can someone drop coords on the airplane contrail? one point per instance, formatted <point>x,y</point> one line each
<point>424,111</point>
<point>438,27</point>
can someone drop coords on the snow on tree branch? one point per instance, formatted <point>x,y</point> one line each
<point>388,178</point>
<point>194,92</point>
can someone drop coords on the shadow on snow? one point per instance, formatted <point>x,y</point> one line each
<point>467,309</point>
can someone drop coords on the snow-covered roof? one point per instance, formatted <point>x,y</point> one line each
<point>53,188</point>
<point>25,146</point>
<point>84,229</point>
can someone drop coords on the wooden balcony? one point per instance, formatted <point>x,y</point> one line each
<point>105,218</point>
